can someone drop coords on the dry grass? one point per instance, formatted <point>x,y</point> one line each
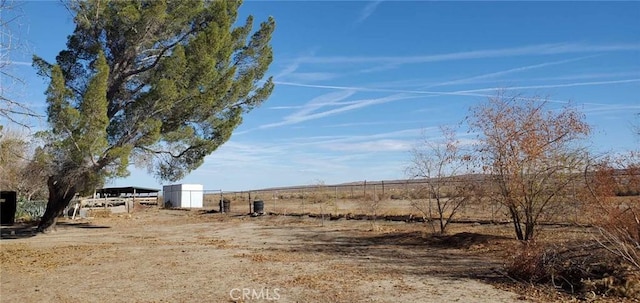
<point>334,262</point>
<point>99,213</point>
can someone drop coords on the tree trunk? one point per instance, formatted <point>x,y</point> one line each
<point>516,222</point>
<point>59,197</point>
<point>440,215</point>
<point>528,231</point>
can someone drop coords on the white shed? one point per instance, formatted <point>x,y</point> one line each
<point>183,195</point>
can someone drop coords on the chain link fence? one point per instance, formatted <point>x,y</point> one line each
<point>379,198</point>
<point>366,198</point>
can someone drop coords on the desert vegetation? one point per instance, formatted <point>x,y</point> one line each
<point>575,215</point>
<point>164,84</point>
<point>528,169</point>
<point>439,164</point>
<point>160,85</point>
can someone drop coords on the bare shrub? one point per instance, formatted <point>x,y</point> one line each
<point>617,218</point>
<point>531,154</point>
<point>530,263</point>
<point>373,206</point>
<point>321,198</point>
<point>439,162</point>
<point>577,268</point>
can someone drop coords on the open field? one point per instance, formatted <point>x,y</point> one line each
<point>395,201</point>
<point>157,255</point>
<point>180,256</point>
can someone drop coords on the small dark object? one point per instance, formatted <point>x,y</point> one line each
<point>225,205</point>
<point>258,207</point>
<point>8,206</point>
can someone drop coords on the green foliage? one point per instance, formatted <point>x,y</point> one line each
<point>157,83</point>
<point>30,210</point>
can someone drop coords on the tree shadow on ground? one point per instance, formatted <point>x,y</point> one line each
<point>457,256</point>
<point>28,230</point>
<point>18,231</point>
<point>86,225</point>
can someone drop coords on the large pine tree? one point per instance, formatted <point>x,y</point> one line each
<point>160,83</point>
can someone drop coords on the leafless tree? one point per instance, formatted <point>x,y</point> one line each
<point>18,170</point>
<point>440,162</point>
<point>11,109</point>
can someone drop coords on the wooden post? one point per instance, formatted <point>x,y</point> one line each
<point>364,189</point>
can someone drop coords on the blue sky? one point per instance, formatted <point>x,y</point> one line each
<point>358,82</point>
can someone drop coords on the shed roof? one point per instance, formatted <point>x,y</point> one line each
<point>127,190</point>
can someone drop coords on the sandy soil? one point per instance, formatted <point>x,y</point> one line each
<point>189,256</point>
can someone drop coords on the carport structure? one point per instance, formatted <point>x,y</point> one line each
<point>132,194</point>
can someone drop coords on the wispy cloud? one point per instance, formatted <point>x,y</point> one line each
<point>359,88</point>
<point>310,110</point>
<point>508,71</point>
<point>530,50</point>
<point>27,63</point>
<point>330,99</point>
<point>371,123</point>
<point>614,108</point>
<point>291,73</point>
<point>394,141</point>
<point>373,146</point>
<point>367,11</point>
<point>234,152</point>
<point>292,67</point>
<point>472,92</point>
<point>306,156</point>
<point>401,140</point>
<point>553,85</point>
<point>368,89</point>
<point>312,76</point>
<point>334,103</point>
<point>583,76</point>
<point>318,141</point>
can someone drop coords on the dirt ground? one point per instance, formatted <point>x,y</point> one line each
<point>158,255</point>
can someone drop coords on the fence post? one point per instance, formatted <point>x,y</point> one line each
<point>364,189</point>
<point>275,197</point>
<point>406,190</point>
